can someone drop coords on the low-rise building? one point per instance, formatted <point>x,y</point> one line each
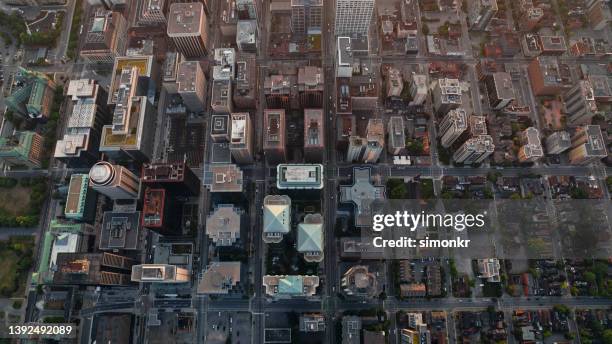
<point>277,218</point>
<point>24,148</point>
<point>288,286</point>
<point>299,176</point>
<point>531,149</point>
<point>360,281</point>
<point>362,193</point>
<point>489,269</point>
<point>31,94</point>
<point>310,238</point>
<point>220,278</point>
<point>81,201</point>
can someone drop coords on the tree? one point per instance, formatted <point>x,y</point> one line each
<point>515,196</point>
<point>425,29</point>
<point>589,277</point>
<point>607,336</point>
<point>578,193</point>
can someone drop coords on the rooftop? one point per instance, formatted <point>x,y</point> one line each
<point>503,85</point>
<point>299,176</point>
<point>225,62</point>
<point>223,178</point>
<point>77,195</point>
<point>186,19</point>
<point>362,193</point>
<point>219,278</point>
<point>313,128</point>
<point>120,231</point>
<point>223,225</point>
<point>290,285</point>
<point>153,209</point>
<point>277,214</point>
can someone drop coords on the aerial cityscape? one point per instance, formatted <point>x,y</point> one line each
<point>306,171</point>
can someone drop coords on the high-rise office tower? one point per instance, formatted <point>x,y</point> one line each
<point>314,135</point>
<point>306,16</point>
<point>192,85</point>
<point>241,139</point>
<point>188,28</point>
<point>274,136</point>
<point>353,17</point>
<point>113,181</point>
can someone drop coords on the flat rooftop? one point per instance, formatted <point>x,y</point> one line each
<point>186,19</point>
<point>223,178</point>
<point>120,230</point>
<point>299,176</point>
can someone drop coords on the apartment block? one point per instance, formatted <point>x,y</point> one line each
<point>580,104</point>
<point>558,142</point>
<point>446,95</point>
<point>454,124</point>
<point>499,90</point>
<point>475,150</point>
<point>588,145</point>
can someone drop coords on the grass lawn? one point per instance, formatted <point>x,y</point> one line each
<point>16,201</point>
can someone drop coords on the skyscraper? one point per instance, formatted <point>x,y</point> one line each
<point>188,28</point>
<point>116,182</point>
<point>306,16</point>
<point>241,139</point>
<point>274,136</point>
<point>353,17</point>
